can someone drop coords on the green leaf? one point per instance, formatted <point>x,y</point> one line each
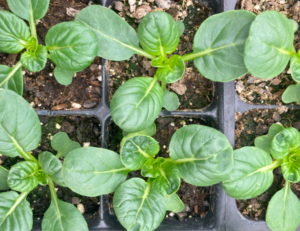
<point>264,142</point>
<point>72,45</point>
<point>151,168</point>
<point>292,94</point>
<point>149,131</point>
<point>158,33</point>
<point>63,144</point>
<point>117,39</point>
<point>269,45</point>
<point>283,213</point>
<point>28,9</point>
<point>291,167</point>
<point>136,104</point>
<point>203,155</point>
<point>219,45</point>
<point>14,33</point>
<point>138,206</point>
<point>137,150</point>
<point>49,163</point>
<point>93,171</point>
<point>12,78</point>
<point>15,212</point>
<point>3,178</point>
<point>63,216</point>
<point>252,173</point>
<point>158,62</point>
<point>174,204</point>
<point>181,26</point>
<point>172,71</point>
<point>20,129</point>
<point>295,68</point>
<point>62,76</point>
<point>58,178</point>
<point>295,25</point>
<point>35,61</point>
<point>284,142</point>
<point>171,101</point>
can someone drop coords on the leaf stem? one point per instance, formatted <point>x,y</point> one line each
<point>32,26</point>
<point>272,166</point>
<point>52,188</point>
<point>144,53</point>
<point>163,86</point>
<point>13,71</point>
<point>59,154</point>
<point>21,197</point>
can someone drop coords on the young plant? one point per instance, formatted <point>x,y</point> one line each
<point>218,55</point>
<point>253,174</point>
<point>70,45</point>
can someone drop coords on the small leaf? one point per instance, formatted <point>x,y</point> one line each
<point>49,163</point>
<point>264,142</point>
<point>152,167</point>
<point>292,94</point>
<point>171,101</point>
<point>291,167</point>
<point>138,206</point>
<point>295,68</point>
<point>172,71</point>
<point>12,78</point>
<point>249,177</point>
<point>174,204</point>
<point>35,61</point>
<point>136,104</point>
<point>181,26</point>
<point>62,76</point>
<point>149,131</point>
<point>63,144</point>
<point>158,62</point>
<point>295,25</point>
<point>3,179</point>
<point>93,171</point>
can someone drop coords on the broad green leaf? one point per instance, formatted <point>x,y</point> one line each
<point>62,76</point>
<point>63,216</point>
<point>58,178</point>
<point>203,155</point>
<point>136,104</point>
<point>116,38</point>
<point>149,131</point>
<point>283,213</point>
<point>93,171</point>
<point>35,61</point>
<point>12,78</point>
<point>3,178</point>
<point>14,33</point>
<point>15,212</point>
<point>174,204</point>
<point>264,142</point>
<point>295,25</point>
<point>295,68</point>
<point>137,150</point>
<point>72,45</point>
<point>158,33</point>
<point>152,167</point>
<point>20,129</point>
<point>284,142</point>
<point>252,173</point>
<point>172,71</point>
<point>181,26</point>
<point>269,45</point>
<point>138,206</point>
<point>63,144</point>
<point>291,167</point>
<point>29,9</point>
<point>171,101</point>
<point>49,163</point>
<point>219,45</point>
<point>292,94</point>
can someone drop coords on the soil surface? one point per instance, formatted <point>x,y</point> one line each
<point>41,89</point>
<point>86,131</point>
<point>257,91</point>
<point>194,91</point>
<point>256,123</point>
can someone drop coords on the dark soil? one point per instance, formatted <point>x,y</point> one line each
<point>86,131</point>
<point>256,123</point>
<point>41,89</point>
<point>194,91</point>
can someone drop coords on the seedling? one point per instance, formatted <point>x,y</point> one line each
<point>70,45</point>
<point>253,174</point>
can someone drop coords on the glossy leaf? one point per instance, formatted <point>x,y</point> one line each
<point>171,101</point>
<point>63,144</point>
<point>49,163</point>
<point>3,178</point>
<point>138,206</point>
<point>72,45</point>
<point>136,104</point>
<point>174,204</point>
<point>93,171</point>
<point>251,175</point>
<point>203,155</point>
<point>292,94</point>
<point>116,38</point>
<point>12,78</point>
<point>20,129</point>
<point>35,61</point>
<point>14,33</point>
<point>149,131</point>
<point>62,76</point>
<point>15,212</point>
<point>137,150</point>
<point>291,167</point>
<point>181,26</point>
<point>268,48</point>
<point>158,33</point>
<point>152,167</point>
<point>172,71</point>
<point>295,68</point>
<point>219,45</point>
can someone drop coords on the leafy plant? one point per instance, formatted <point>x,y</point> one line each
<point>253,174</point>
<point>70,45</point>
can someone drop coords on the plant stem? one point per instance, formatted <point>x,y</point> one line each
<point>21,197</point>
<point>163,86</point>
<point>144,53</point>
<point>192,56</point>
<point>32,26</point>
<point>272,166</point>
<point>48,56</point>
<point>59,154</point>
<point>52,188</point>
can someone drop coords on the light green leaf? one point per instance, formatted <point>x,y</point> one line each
<point>35,61</point>
<point>138,206</point>
<point>292,94</point>
<point>72,45</point>
<point>149,131</point>
<point>172,71</point>
<point>203,155</point>
<point>151,168</point>
<point>12,78</point>
<point>3,178</point>
<point>181,26</point>
<point>158,33</point>
<point>252,173</point>
<point>283,213</point>
<point>291,167</point>
<point>136,104</point>
<point>63,144</point>
<point>58,178</point>
<point>93,171</point>
<point>14,33</point>
<point>20,129</point>
<point>295,68</point>
<point>174,204</point>
<point>62,76</point>
<point>295,25</point>
<point>49,163</point>
<point>269,45</point>
<point>15,212</point>
<point>171,101</point>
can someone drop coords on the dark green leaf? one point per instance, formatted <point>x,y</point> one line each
<point>172,71</point>
<point>62,76</point>
<point>49,163</point>
<point>35,61</point>
<point>63,144</point>
<point>291,167</point>
<point>152,167</point>
<point>171,101</point>
<point>174,204</point>
<point>3,178</point>
<point>12,78</point>
<point>295,67</point>
<point>149,131</point>
<point>292,94</point>
<point>181,26</point>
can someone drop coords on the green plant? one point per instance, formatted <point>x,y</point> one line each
<point>253,174</point>
<point>70,45</point>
